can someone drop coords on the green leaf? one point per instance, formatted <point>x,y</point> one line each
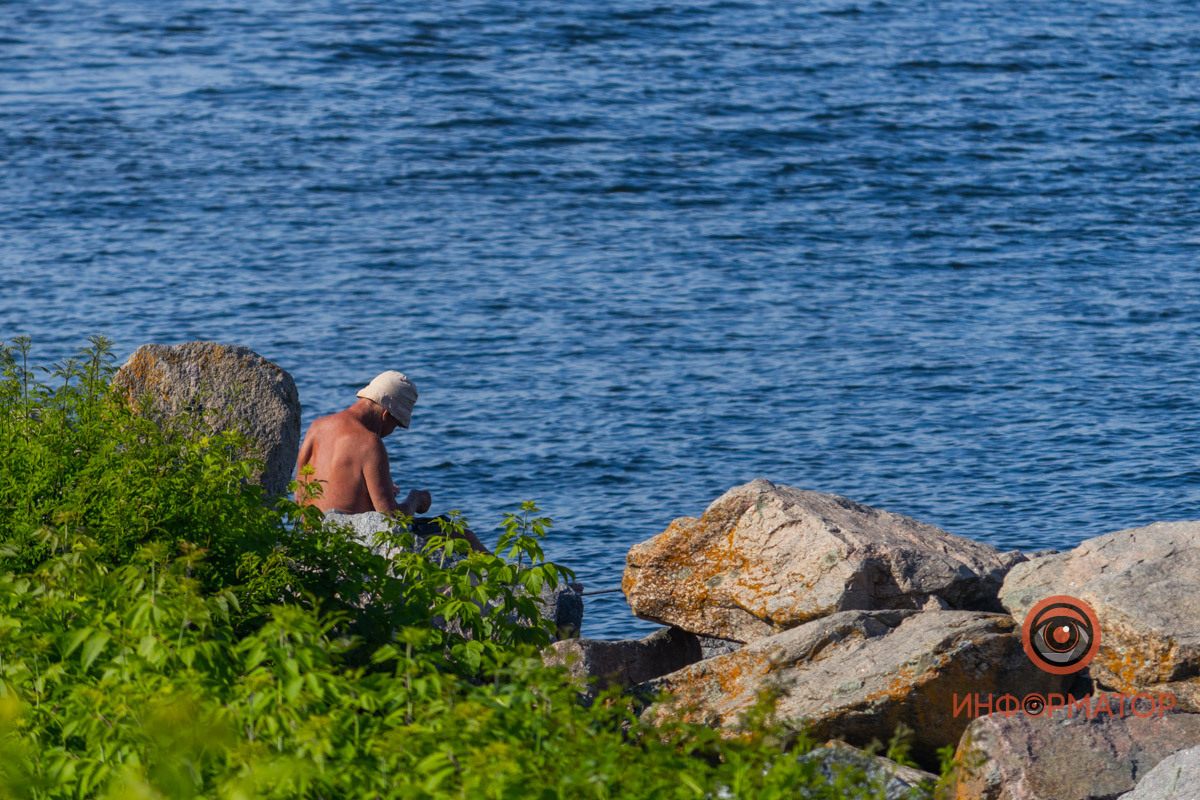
<point>94,647</point>
<point>75,639</point>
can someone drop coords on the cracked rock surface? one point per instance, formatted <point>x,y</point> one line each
<point>1176,777</point>
<point>857,675</point>
<point>765,558</point>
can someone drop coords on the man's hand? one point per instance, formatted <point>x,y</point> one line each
<point>419,500</point>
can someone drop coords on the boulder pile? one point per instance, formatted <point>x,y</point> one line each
<point>1068,755</point>
<point>859,622</point>
<point>857,675</point>
<point>765,558</point>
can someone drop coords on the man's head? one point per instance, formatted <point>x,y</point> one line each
<point>395,393</point>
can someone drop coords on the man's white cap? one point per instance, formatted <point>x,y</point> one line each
<point>395,392</point>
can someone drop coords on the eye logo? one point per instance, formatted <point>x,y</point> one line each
<point>1061,634</point>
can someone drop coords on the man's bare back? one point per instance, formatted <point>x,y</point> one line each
<point>349,459</point>
<point>350,462</point>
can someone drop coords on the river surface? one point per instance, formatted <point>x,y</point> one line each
<point>940,257</point>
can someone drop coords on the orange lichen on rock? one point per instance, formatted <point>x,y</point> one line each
<point>765,558</point>
<point>1141,585</point>
<point>857,675</point>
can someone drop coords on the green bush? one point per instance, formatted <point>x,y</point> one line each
<point>166,634</point>
<point>77,453</point>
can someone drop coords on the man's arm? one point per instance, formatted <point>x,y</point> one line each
<point>383,491</point>
<point>379,480</point>
<point>306,451</point>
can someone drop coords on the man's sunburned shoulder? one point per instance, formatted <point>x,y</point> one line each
<point>339,424</point>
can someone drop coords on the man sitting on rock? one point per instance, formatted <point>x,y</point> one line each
<point>350,461</point>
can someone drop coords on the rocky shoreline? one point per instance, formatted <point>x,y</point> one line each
<point>861,621</point>
<point>857,621</point>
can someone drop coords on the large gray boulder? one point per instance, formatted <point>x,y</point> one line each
<point>858,675</point>
<point>561,605</point>
<point>233,388</point>
<point>1176,777</point>
<point>1142,584</point>
<point>765,558</point>
<point>596,664</point>
<point>1068,754</point>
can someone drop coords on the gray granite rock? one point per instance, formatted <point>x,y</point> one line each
<point>858,675</point>
<point>233,388</point>
<point>364,528</point>
<point>765,558</point>
<point>1176,777</point>
<point>565,602</point>
<point>711,647</point>
<point>897,781</point>
<point>597,664</point>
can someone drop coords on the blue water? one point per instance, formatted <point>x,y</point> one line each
<point>939,257</point>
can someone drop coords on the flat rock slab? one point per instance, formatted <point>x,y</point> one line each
<point>597,664</point>
<point>1176,777</point>
<point>857,675</point>
<point>765,558</point>
<point>1067,755</point>
<point>233,387</point>
<point>1142,584</point>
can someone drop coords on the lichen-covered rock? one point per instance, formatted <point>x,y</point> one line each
<point>233,387</point>
<point>1067,754</point>
<point>1142,584</point>
<point>599,664</point>
<point>857,675</point>
<point>1176,777</point>
<point>562,605</point>
<point>765,558</point>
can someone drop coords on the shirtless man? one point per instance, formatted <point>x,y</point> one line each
<point>349,460</point>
